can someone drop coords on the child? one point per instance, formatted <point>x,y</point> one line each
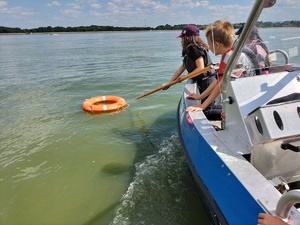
<point>259,48</point>
<point>195,57</point>
<point>220,37</point>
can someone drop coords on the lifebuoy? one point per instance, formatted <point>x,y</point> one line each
<point>94,104</point>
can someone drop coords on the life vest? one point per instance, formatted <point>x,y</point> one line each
<point>261,52</point>
<point>190,64</point>
<point>248,53</point>
<point>252,56</point>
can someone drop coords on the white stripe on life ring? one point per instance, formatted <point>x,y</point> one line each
<point>104,108</point>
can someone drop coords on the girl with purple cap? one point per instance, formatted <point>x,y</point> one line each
<point>195,57</point>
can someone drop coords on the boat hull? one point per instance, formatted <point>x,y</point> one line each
<point>228,198</point>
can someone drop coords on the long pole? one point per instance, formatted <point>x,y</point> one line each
<point>182,78</point>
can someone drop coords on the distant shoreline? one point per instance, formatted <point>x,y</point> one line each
<point>85,32</point>
<point>78,32</point>
<point>96,28</point>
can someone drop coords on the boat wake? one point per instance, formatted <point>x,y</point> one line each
<point>160,189</point>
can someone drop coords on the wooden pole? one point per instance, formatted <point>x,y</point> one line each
<point>182,78</point>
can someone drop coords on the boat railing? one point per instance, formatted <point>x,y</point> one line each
<point>253,17</point>
<point>286,202</point>
<point>273,55</point>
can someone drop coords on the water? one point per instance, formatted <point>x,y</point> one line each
<point>61,165</point>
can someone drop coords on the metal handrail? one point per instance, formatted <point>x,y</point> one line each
<point>286,202</point>
<point>284,53</point>
<point>253,17</point>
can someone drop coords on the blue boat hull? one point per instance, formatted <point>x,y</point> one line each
<point>228,198</point>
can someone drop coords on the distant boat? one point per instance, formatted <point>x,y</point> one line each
<point>249,163</point>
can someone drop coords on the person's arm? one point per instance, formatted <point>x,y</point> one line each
<point>200,65</point>
<point>267,219</point>
<point>214,94</point>
<point>175,76</point>
<point>177,73</point>
<point>205,93</point>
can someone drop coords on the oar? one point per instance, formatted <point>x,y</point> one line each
<point>182,78</point>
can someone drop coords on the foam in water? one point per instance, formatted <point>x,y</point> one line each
<point>155,195</point>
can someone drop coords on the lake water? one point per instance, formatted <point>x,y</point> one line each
<point>61,165</point>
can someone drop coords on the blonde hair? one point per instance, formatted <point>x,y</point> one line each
<point>221,31</point>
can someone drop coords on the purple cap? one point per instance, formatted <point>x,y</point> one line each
<point>189,30</point>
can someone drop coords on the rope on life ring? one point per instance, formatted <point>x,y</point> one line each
<point>95,104</point>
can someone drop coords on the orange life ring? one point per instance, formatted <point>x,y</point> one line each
<point>94,104</point>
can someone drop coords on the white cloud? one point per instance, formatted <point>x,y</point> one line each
<point>18,12</point>
<point>75,6</point>
<point>95,13</point>
<point>87,1</point>
<point>138,12</point>
<point>189,4</point>
<point>55,3</point>
<point>71,12</point>
<point>2,4</point>
<point>95,5</point>
<point>133,6</point>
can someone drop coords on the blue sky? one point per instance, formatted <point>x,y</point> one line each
<point>139,13</point>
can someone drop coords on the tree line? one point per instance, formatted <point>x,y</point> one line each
<point>96,28</point>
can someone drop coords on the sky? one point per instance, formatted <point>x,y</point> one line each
<point>135,13</point>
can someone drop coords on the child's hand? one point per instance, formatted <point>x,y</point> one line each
<point>223,116</point>
<point>267,219</point>
<point>178,80</point>
<point>164,87</point>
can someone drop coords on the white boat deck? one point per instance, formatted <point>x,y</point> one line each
<point>231,148</point>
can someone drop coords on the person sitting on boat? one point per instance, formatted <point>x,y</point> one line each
<point>267,219</point>
<point>259,48</point>
<point>221,37</point>
<point>195,57</point>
